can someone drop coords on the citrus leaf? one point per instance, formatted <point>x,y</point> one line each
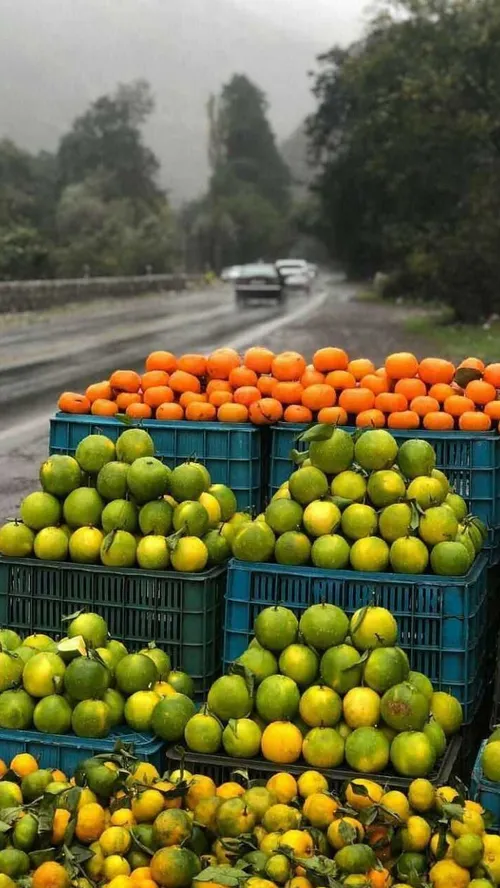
<point>347,833</point>
<point>320,432</point>
<point>464,375</point>
<point>298,456</point>
<point>70,617</point>
<point>341,502</point>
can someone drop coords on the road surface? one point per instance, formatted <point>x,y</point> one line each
<point>42,355</point>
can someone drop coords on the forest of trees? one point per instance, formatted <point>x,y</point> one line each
<point>407,135</point>
<point>94,207</point>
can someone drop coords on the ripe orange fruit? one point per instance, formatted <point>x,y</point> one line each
<point>125,381</point>
<point>246,395</point>
<point>259,359</point>
<point>123,399</point>
<point>221,362</point>
<point>440,391</point>
<point>242,376</point>
<point>232,413</point>
<point>102,407</point>
<point>139,411</point>
<point>357,400</point>
<point>311,377</point>
<point>288,366</point>
<point>340,380</point>
<point>390,402</point>
<point>180,381</point>
<point>360,367</point>
<point>158,394</point>
<point>333,415</point>
<point>327,359</point>
<point>288,392</point>
<point>72,402</point>
<point>218,385</point>
<point>404,419</point>
<point>297,413</point>
<point>169,412</point>
<point>188,397</point>
<point>198,411</point>
<point>492,409</point>
<point>400,365</point>
<point>377,384</point>
<point>492,374</point>
<point>374,419</point>
<point>424,404</point>
<point>154,378</point>
<point>265,412</point>
<point>24,764</point>
<point>472,363</point>
<point>161,360</point>
<point>219,398</point>
<point>194,364</point>
<point>50,875</point>
<point>480,392</point>
<point>438,421</point>
<point>410,388</point>
<point>317,396</point>
<point>99,390</point>
<point>433,370</point>
<point>474,421</point>
<point>265,385</point>
<point>455,405</point>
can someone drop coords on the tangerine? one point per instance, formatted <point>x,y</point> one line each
<point>221,362</point>
<point>455,405</point>
<point>296,413</point>
<point>373,419</point>
<point>287,392</point>
<point>319,395</point>
<point>410,388</point>
<point>180,381</point>
<point>232,413</point>
<point>125,381</point>
<point>242,376</point>
<point>401,365</point>
<point>405,419</point>
<point>438,421</point>
<point>330,358</point>
<point>169,412</point>
<point>377,384</point>
<point>480,391</point>
<point>72,402</point>
<point>433,370</point>
<point>124,399</point>
<point>265,412</point>
<point>424,404</point>
<point>473,421</point>
<point>99,390</point>
<point>196,365</point>
<point>158,394</point>
<point>340,380</point>
<point>311,377</point>
<point>333,415</point>
<point>357,400</point>
<point>288,366</point>
<point>440,391</point>
<point>161,360</point>
<point>197,411</point>
<point>259,359</point>
<point>391,402</point>
<point>153,378</point>
<point>360,367</point>
<point>492,374</point>
<point>103,407</point>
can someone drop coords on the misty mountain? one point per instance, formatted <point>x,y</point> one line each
<point>55,58</point>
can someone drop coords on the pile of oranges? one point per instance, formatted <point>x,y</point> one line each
<point>262,387</point>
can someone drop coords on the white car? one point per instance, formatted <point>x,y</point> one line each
<point>296,274</point>
<point>230,274</point>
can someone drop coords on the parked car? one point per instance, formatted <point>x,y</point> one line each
<point>295,273</point>
<point>260,281</point>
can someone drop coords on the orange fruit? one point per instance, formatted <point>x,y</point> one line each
<point>198,411</point>
<point>218,398</point>
<point>103,407</point>
<point>330,358</point>
<point>161,360</point>
<point>440,391</point>
<point>360,367</point>
<point>391,402</point>
<point>259,359</point>
<point>169,412</point>
<point>333,415</point>
<point>455,405</point>
<point>410,388</point>
<point>242,376</point>
<point>123,399</point>
<point>265,412</point>
<point>317,396</point>
<point>492,409</point>
<point>99,390</point>
<point>218,385</point>
<point>196,365</point>
<point>377,384</point>
<point>246,395</point>
<point>221,362</point>
<point>433,370</point>
<point>180,381</point>
<point>492,374</point>
<point>297,413</point>
<point>158,394</point>
<point>424,404</point>
<point>357,400</point>
<point>473,364</point>
<point>311,377</point>
<point>125,381</point>
<point>480,392</point>
<point>401,365</point>
<point>288,392</point>
<point>153,378</point>
<point>439,421</point>
<point>288,366</point>
<point>72,402</point>
<point>474,421</point>
<point>340,380</point>
<point>265,385</point>
<point>232,413</point>
<point>404,419</point>
<point>373,418</point>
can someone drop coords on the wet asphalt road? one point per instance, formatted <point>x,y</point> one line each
<point>42,355</point>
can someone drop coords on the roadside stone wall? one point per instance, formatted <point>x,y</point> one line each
<point>18,296</point>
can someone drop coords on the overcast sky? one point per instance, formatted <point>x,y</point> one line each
<point>326,21</point>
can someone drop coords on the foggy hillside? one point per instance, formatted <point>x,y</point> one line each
<point>55,57</point>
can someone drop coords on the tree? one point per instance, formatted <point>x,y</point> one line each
<point>407,132</point>
<point>107,139</point>
<point>243,146</point>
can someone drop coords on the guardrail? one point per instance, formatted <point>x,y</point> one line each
<point>18,296</point>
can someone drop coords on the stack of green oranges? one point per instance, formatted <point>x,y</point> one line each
<point>359,501</point>
<point>327,690</point>
<point>89,684</point>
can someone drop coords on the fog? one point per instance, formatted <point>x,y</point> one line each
<point>57,57</point>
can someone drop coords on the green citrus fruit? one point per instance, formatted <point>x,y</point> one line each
<point>375,449</point>
<point>93,452</point>
<point>83,507</point>
<point>307,484</point>
<point>356,859</point>
<point>217,546</point>
<point>450,559</point>
<point>395,521</point>
<point>135,672</point>
<point>171,716</point>
<point>85,678</point>
<point>404,708</point>
<point>367,750</point>
<point>321,517</point>
<point>16,540</point>
<point>384,668</point>
<point>409,555</point>
<point>119,515</point>
<point>116,705</point>
<point>373,627</point>
<point>43,674</point>
<point>385,488</point>
<point>358,521</point>
<point>139,709</point>
<point>16,710</point>
<point>277,698</point>
<point>413,754</point>
<point>11,669</point>
<point>283,515</point>
<point>156,517</point>
<point>320,705</point>
<point>85,545</point>
<point>490,760</point>
<point>241,738</point>
<point>434,732</point>
<point>334,455</point>
<point>153,553</point>
<point>276,627</point>
<point>147,479</point>
<point>292,548</point>
<point>447,710</point>
<point>9,640</point>
<point>458,505</point>
<point>370,554</point>
<point>299,662</point>
<point>203,733</point>
<point>349,485</point>
<point>341,668</point>
<point>119,549</point>
<point>226,499</point>
<point>421,683</point>
<point>323,626</point>
<point>60,474</point>
<point>426,491</point>
<point>112,481</point>
<point>52,715</point>
<point>330,552</point>
<point>91,718</point>
<point>416,457</point>
<point>323,747</point>
<point>190,555</point>
<point>39,510</point>
<point>187,482</point>
<point>51,544</point>
<point>134,444</point>
<point>229,697</point>
<point>181,682</point>
<point>91,627</point>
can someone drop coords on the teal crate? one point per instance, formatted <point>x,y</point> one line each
<point>232,452</point>
<point>66,751</point>
<point>484,791</point>
<point>443,621</point>
<point>182,613</point>
<point>471,462</point>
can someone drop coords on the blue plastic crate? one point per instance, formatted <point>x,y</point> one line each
<point>471,462</point>
<point>66,751</point>
<point>443,621</point>
<point>232,452</point>
<point>182,613</point>
<point>485,791</point>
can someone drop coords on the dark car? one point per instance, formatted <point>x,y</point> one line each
<point>260,282</point>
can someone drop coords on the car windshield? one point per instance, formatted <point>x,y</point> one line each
<point>258,271</point>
